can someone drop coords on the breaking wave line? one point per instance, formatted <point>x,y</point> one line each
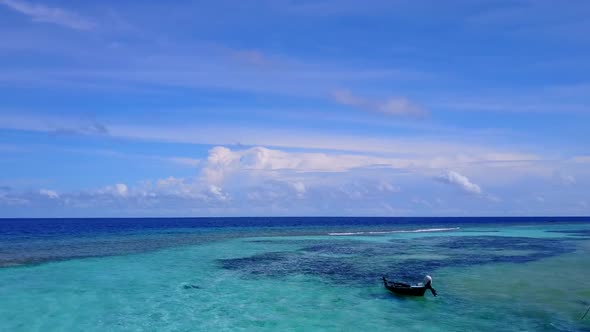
<point>398,231</point>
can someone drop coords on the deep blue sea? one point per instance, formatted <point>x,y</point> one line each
<point>293,274</point>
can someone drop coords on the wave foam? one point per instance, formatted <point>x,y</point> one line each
<point>399,231</point>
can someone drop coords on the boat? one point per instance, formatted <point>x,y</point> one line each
<point>401,288</point>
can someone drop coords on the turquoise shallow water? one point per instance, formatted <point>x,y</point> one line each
<point>489,278</point>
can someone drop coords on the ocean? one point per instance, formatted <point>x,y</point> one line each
<point>293,274</point>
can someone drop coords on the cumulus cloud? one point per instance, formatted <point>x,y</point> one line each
<point>223,162</point>
<point>248,166</point>
<point>460,181</point>
<point>394,106</point>
<point>45,14</point>
<point>218,193</point>
<point>170,186</point>
<point>119,189</point>
<point>220,161</point>
<point>384,186</point>
<point>275,193</point>
<point>9,199</point>
<point>299,189</point>
<point>52,194</point>
<point>264,176</point>
<point>165,190</point>
<point>358,192</point>
<point>268,179</point>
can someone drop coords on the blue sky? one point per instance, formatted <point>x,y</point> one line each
<point>226,108</point>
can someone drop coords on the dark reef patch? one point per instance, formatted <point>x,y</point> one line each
<point>364,262</point>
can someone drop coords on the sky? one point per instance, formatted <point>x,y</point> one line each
<point>294,108</point>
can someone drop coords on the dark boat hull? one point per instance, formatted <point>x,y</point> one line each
<point>406,289</point>
<point>403,290</point>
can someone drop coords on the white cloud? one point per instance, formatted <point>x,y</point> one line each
<point>460,181</point>
<point>356,176</point>
<point>12,200</point>
<point>220,161</point>
<point>366,191</point>
<point>218,193</point>
<point>223,162</point>
<point>387,187</point>
<point>118,189</point>
<point>299,188</point>
<point>172,186</point>
<point>394,106</point>
<point>49,193</point>
<point>121,189</point>
<point>265,177</point>
<point>41,13</point>
<point>410,153</point>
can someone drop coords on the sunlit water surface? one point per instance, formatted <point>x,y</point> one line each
<point>293,274</point>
